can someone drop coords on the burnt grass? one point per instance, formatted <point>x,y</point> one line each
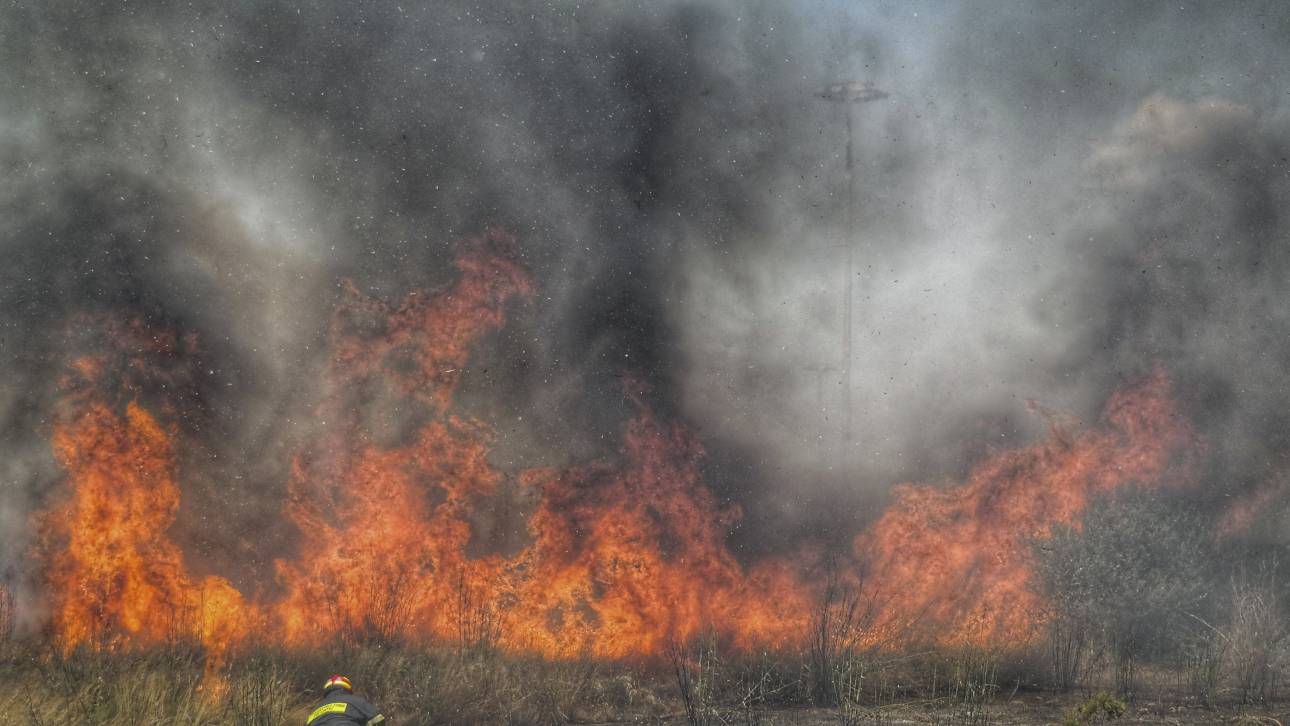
<point>695,684</point>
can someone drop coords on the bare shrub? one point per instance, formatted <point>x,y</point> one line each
<point>974,682</point>
<point>1256,636</point>
<point>7,612</point>
<point>757,681</point>
<point>1127,577</point>
<point>841,639</point>
<point>479,625</point>
<point>260,691</point>
<point>695,670</point>
<point>728,686</point>
<point>1068,644</point>
<point>1203,658</point>
<point>389,609</point>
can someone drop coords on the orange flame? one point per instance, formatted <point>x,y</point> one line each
<point>378,555</point>
<point>1247,510</point>
<point>625,559</point>
<point>619,560</point>
<point>956,558</point>
<point>117,576</point>
<point>622,555</point>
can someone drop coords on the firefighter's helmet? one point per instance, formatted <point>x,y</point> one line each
<point>338,682</point>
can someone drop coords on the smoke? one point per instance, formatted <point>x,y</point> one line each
<point>1047,204</point>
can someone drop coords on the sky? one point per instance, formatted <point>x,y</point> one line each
<point>1048,203</point>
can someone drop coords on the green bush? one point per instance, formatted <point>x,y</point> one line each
<point>1099,708</point>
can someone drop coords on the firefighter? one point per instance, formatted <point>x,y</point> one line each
<point>340,707</point>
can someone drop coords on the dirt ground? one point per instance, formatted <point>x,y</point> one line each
<point>1018,711</point>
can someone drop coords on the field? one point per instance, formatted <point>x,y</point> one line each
<point>697,685</point>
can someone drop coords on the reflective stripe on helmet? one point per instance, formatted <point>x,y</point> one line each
<point>341,681</point>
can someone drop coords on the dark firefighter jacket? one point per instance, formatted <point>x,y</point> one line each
<point>342,708</point>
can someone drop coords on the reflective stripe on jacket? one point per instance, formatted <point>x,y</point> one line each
<point>341,708</point>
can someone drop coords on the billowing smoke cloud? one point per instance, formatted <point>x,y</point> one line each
<point>1046,205</point>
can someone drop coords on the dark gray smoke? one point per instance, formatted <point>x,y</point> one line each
<point>1048,203</point>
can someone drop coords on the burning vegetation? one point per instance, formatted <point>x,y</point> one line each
<point>622,558</point>
<point>1070,560</point>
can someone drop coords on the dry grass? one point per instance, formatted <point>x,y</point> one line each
<point>441,686</point>
<point>449,685</point>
